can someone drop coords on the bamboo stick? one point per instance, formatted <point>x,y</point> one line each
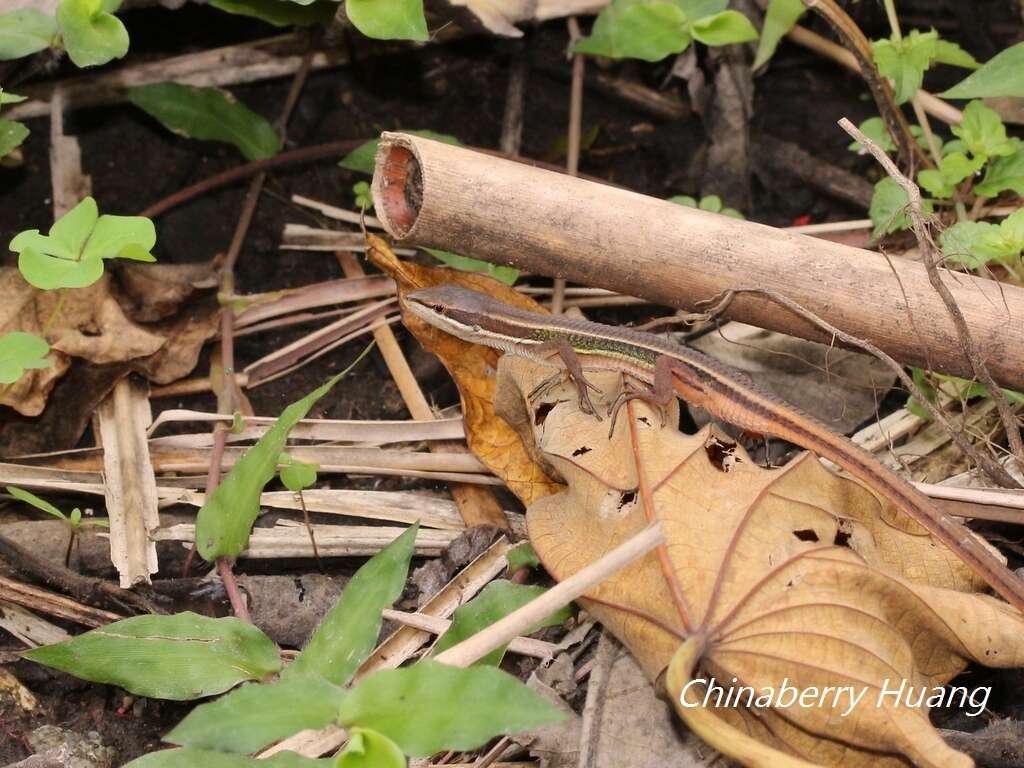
<point>433,194</point>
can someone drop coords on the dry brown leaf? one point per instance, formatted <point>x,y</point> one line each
<point>472,367</point>
<point>793,575</point>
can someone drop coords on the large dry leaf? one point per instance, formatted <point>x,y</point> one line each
<point>472,367</point>
<point>109,323</point>
<point>790,575</point>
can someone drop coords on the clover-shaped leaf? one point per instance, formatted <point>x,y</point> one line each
<point>92,34</point>
<point>19,351</point>
<point>72,255</point>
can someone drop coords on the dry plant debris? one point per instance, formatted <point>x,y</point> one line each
<point>794,576</point>
<point>472,367</point>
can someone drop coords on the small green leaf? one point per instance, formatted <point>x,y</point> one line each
<point>72,255</point>
<point>92,34</point>
<point>348,632</point>
<point>369,749</point>
<point>297,475</point>
<point>12,135</point>
<point>75,518</point>
<point>961,242</point>
<point>432,707</point>
<point>1004,173</point>
<point>710,203</point>
<point>35,501</point>
<point>905,61</point>
<point>781,16</point>
<point>254,715</point>
<point>363,195</point>
<point>24,32</point>
<point>947,52</point>
<point>278,13</point>
<point>506,275</point>
<point>225,520</point>
<point>684,200</point>
<point>364,157</point>
<point>496,601</point>
<point>179,657</point>
<point>955,167</point>
<point>698,9</point>
<point>522,555</point>
<point>637,30</point>
<point>388,19</point>
<point>723,29</point>
<point>6,97</point>
<point>19,351</point>
<point>207,113</point>
<point>888,207</point>
<point>982,132</point>
<point>1002,75</point>
<point>201,758</point>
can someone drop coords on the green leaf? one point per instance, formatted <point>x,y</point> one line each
<point>684,200</point>
<point>19,351</point>
<point>637,30</point>
<point>225,520</point>
<point>280,13</point>
<point>955,167</point>
<point>781,16</point>
<point>888,207</point>
<point>201,758</point>
<point>982,132</point>
<point>961,243</point>
<point>75,518</point>
<point>496,601</point>
<point>207,113</point>
<point>905,62</point>
<point>179,657</point>
<point>1004,173</point>
<point>432,707</point>
<point>35,501</point>
<point>723,29</point>
<point>522,555</point>
<point>710,203</point>
<point>507,275</point>
<point>874,128</point>
<point>92,35</point>
<point>947,52</point>
<point>1002,75</point>
<point>12,134</point>
<point>369,749</point>
<point>1005,241</point>
<point>388,19</point>
<point>72,255</point>
<point>297,475</point>
<point>10,98</point>
<point>364,158</point>
<point>698,9</point>
<point>348,633</point>
<point>24,32</point>
<point>254,715</point>
<point>363,195</point>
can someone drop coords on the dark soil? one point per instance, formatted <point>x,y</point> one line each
<point>458,88</point>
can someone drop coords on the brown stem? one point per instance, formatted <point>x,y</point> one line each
<point>850,35</point>
<point>309,530</point>
<point>931,258</point>
<point>71,545</point>
<point>238,603</point>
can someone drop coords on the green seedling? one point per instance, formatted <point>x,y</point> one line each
<point>905,59</point>
<point>389,714</point>
<point>72,255</point>
<point>297,476</point>
<point>363,195</point>
<point>711,203</point>
<point>91,33</point>
<point>638,29</point>
<point>74,522</point>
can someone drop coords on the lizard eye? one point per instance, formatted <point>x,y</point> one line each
<point>438,308</point>
<point>476,328</point>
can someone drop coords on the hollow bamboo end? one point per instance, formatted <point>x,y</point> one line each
<point>397,185</point>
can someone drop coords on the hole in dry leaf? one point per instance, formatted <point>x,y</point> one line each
<point>627,498</point>
<point>643,420</point>
<point>721,455</point>
<point>842,538</point>
<point>806,534</point>
<point>542,413</point>
<point>583,449</point>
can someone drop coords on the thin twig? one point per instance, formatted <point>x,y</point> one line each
<point>931,259</point>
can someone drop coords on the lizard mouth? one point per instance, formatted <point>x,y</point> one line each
<point>398,187</point>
